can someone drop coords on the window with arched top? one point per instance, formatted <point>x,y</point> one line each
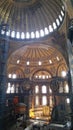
<point>50,101</point>
<point>66,87</point>
<point>44,89</point>
<point>16,89</point>
<point>37,100</point>
<point>8,88</point>
<point>36,89</point>
<point>14,76</point>
<point>12,88</point>
<point>13,34</point>
<point>44,100</point>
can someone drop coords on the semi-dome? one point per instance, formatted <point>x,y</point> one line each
<point>30,19</point>
<point>34,54</point>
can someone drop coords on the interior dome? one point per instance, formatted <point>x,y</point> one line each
<point>30,19</point>
<point>35,56</point>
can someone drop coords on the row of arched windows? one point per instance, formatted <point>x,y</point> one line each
<point>37,33</point>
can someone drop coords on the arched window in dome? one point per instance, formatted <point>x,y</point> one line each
<point>50,61</point>
<point>18,35</point>
<point>13,34</point>
<point>27,63</point>
<point>63,7</point>
<point>37,34</point>
<point>58,22</point>
<point>62,13</point>
<point>39,63</point>
<point>57,58</point>
<point>43,77</point>
<point>42,33</point>
<point>50,28</point>
<point>22,35</point>
<point>36,76</point>
<point>18,61</point>
<point>60,17</point>
<point>54,25</point>
<point>47,76</point>
<point>40,76</point>
<point>46,31</point>
<point>27,35</point>
<point>32,35</point>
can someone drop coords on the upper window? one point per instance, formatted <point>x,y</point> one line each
<point>37,100</point>
<point>13,34</point>
<point>44,89</point>
<point>37,89</point>
<point>44,100</point>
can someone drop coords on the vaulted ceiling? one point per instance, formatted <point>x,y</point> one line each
<point>29,19</point>
<point>30,59</point>
<point>32,21</point>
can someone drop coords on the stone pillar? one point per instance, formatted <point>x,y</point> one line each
<point>3,64</point>
<point>70,56</point>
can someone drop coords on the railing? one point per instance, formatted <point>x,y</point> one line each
<point>54,126</point>
<point>51,126</point>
